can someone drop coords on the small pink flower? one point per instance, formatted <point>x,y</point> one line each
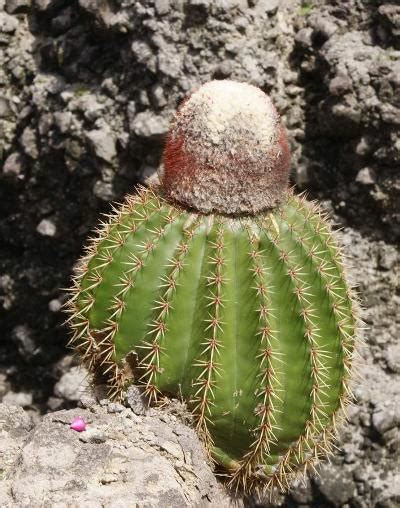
<point>78,424</point>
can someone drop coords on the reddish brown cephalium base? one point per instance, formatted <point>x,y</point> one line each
<point>227,151</point>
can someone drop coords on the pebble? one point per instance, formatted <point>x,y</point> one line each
<point>29,142</point>
<point>14,165</point>
<point>22,335</point>
<point>15,6</point>
<point>366,176</point>
<point>8,24</point>
<point>135,401</point>
<point>386,418</point>
<point>392,355</point>
<point>72,384</point>
<point>103,143</point>
<point>46,228</point>
<point>21,399</point>
<point>55,305</point>
<point>149,125</point>
<point>92,435</point>
<point>103,190</point>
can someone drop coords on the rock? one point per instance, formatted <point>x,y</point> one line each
<point>148,125</point>
<point>72,385</point>
<point>392,356</point>
<point>8,24</point>
<point>14,165</point>
<point>5,110</point>
<point>323,27</point>
<point>158,96</point>
<point>44,5</point>
<point>366,176</point>
<point>304,37</point>
<point>54,403</point>
<point>302,492</point>
<point>388,257</point>
<point>7,296</point>
<point>29,142</point>
<point>336,484</point>
<point>15,425</point>
<point>22,335</point>
<point>103,143</point>
<point>136,401</point>
<point>46,228</point>
<point>21,399</point>
<point>162,7</point>
<point>340,85</point>
<point>63,120</point>
<point>103,190</point>
<point>55,305</point>
<point>390,14</point>
<point>385,418</point>
<point>15,6</point>
<point>119,460</point>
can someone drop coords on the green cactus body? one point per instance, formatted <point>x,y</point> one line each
<point>234,299</point>
<point>249,319</point>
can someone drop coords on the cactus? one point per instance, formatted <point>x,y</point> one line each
<point>223,287</point>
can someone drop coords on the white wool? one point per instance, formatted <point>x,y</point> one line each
<point>228,114</point>
<point>231,157</point>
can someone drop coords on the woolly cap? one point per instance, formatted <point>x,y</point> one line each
<point>227,151</point>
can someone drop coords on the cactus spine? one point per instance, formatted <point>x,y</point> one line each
<point>248,317</point>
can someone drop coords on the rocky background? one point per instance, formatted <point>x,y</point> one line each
<point>87,89</point>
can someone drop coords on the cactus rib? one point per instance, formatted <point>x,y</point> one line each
<point>248,319</point>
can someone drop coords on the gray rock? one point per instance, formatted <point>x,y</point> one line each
<point>302,492</point>
<point>15,6</point>
<point>340,85</point>
<point>136,401</point>
<point>389,257</point>
<point>323,26</point>
<point>54,403</point>
<point>55,305</point>
<point>336,484</point>
<point>63,120</point>
<point>103,143</point>
<point>46,227</point>
<point>269,6</point>
<point>72,385</point>
<point>119,461</point>
<point>162,7</point>
<point>14,165</point>
<point>158,96</point>
<point>366,176</point>
<point>44,5</point>
<point>304,37</point>
<point>5,109</point>
<point>8,24</point>
<point>392,356</point>
<point>149,125</point>
<point>15,425</point>
<point>22,335</point>
<point>28,142</point>
<point>103,190</point>
<point>21,399</point>
<point>7,295</point>
<point>385,418</point>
